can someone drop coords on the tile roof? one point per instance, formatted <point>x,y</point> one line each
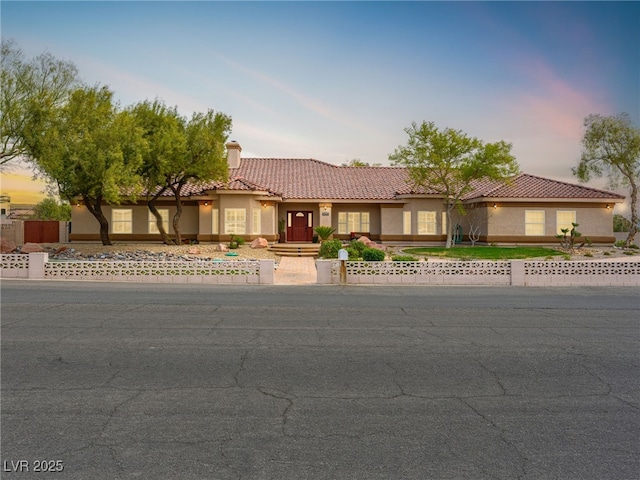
<point>305,178</point>
<point>525,185</point>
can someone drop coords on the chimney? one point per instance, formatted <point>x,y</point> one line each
<point>233,154</point>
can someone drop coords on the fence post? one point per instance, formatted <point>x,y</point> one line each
<point>517,273</point>
<point>324,271</point>
<point>267,272</point>
<point>37,261</point>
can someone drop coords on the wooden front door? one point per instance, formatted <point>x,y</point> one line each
<point>299,226</point>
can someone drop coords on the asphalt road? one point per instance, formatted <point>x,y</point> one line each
<point>118,381</point>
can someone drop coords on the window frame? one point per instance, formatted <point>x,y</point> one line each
<point>116,224</point>
<point>240,220</point>
<point>530,226</point>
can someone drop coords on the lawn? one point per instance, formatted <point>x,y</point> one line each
<point>484,252</point>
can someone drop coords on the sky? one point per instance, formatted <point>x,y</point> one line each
<point>337,81</point>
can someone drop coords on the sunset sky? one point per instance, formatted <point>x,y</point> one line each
<point>341,80</point>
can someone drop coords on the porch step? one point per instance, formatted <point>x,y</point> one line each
<point>295,249</point>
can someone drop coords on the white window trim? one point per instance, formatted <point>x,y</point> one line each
<point>256,224</point>
<point>406,223</point>
<point>528,224</point>
<point>215,221</point>
<point>560,225</point>
<point>121,226</point>
<point>354,222</point>
<point>240,221</point>
<point>426,223</point>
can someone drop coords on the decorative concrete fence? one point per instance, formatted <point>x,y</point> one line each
<point>515,272</point>
<point>38,266</point>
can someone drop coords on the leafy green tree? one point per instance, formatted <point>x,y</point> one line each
<point>92,151</point>
<point>164,130</point>
<point>611,146</point>
<point>50,209</point>
<point>31,91</point>
<point>448,161</point>
<point>356,162</point>
<point>205,158</point>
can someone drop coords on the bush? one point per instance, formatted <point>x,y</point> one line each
<point>373,255</point>
<point>621,243</point>
<point>634,246</point>
<point>404,258</point>
<point>354,254</point>
<point>329,249</point>
<point>358,247</point>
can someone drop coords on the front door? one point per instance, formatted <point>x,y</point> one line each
<point>299,226</point>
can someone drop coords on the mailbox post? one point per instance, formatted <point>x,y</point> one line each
<point>343,255</point>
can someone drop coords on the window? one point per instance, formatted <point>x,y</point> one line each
<point>406,223</point>
<point>426,223</point>
<point>153,226</point>
<point>534,222</point>
<point>353,222</point>
<point>215,221</point>
<point>564,219</point>
<point>235,221</point>
<point>256,227</point>
<point>121,220</point>
<point>444,223</point>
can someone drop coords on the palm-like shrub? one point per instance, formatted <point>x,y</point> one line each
<point>324,232</point>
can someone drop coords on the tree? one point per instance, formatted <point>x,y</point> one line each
<point>205,160</point>
<point>92,151</point>
<point>164,130</point>
<point>611,146</point>
<point>621,223</point>
<point>30,93</point>
<point>50,209</point>
<point>448,161</point>
<point>356,162</point>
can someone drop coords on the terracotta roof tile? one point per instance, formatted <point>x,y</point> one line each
<point>305,178</point>
<point>525,185</point>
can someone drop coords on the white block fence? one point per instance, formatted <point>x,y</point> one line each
<point>38,266</point>
<point>514,272</point>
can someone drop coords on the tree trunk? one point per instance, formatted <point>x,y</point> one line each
<point>154,211</point>
<point>176,218</point>
<point>634,213</point>
<point>449,243</point>
<point>96,211</point>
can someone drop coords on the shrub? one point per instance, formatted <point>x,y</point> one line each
<point>404,258</point>
<point>607,253</point>
<point>629,252</point>
<point>324,232</point>
<point>588,254</point>
<point>357,246</point>
<point>634,246</point>
<point>373,255</point>
<point>621,243</point>
<point>354,254</point>
<point>329,249</point>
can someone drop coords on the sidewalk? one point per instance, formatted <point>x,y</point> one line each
<point>296,271</point>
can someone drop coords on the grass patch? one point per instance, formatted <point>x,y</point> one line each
<point>485,252</point>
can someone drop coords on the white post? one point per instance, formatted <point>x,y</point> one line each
<point>517,272</point>
<point>37,261</point>
<point>324,271</point>
<point>267,272</point>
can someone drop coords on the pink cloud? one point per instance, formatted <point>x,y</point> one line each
<point>553,106</point>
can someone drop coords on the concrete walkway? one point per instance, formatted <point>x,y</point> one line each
<point>296,271</point>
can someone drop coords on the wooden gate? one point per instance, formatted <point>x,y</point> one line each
<point>41,231</point>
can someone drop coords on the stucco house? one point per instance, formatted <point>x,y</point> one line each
<point>378,201</point>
